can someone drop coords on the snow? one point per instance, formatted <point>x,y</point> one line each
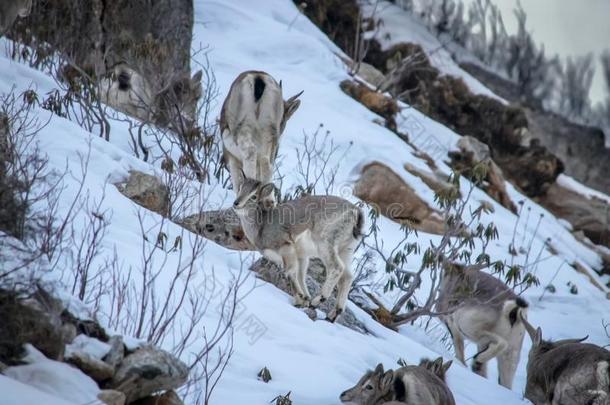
<point>52,377</point>
<point>400,26</point>
<point>85,344</point>
<point>570,183</point>
<point>15,392</point>
<point>316,361</point>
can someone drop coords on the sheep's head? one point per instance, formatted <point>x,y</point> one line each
<point>372,387</point>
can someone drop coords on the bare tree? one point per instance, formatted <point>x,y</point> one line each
<point>575,79</point>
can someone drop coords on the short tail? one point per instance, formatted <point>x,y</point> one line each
<point>358,230</point>
<point>259,88</point>
<point>513,307</point>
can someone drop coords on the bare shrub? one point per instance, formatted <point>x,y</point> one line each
<point>316,174</point>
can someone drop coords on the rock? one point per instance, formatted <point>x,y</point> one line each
<point>393,198</point>
<point>167,398</point>
<point>146,371</point>
<point>222,227</point>
<point>27,322</point>
<point>377,102</point>
<point>436,184</point>
<point>87,327</point>
<point>111,397</point>
<point>473,152</point>
<point>103,34</point>
<point>370,74</point>
<point>116,353</point>
<point>448,100</point>
<point>589,215</point>
<point>580,268</point>
<point>94,368</point>
<point>315,277</point>
<point>580,147</point>
<point>55,378</point>
<point>85,344</point>
<point>146,190</point>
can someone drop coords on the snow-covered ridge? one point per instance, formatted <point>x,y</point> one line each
<point>317,360</point>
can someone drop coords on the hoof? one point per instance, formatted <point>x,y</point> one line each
<point>302,302</point>
<point>333,315</point>
<point>317,301</point>
<point>477,366</point>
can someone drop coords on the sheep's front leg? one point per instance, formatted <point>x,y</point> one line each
<point>291,268</point>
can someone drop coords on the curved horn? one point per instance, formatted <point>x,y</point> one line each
<point>567,341</point>
<point>291,99</point>
<point>531,331</point>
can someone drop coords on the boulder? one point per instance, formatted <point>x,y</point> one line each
<point>27,322</point>
<point>55,378</point>
<point>111,397</point>
<point>581,148</point>
<point>86,327</point>
<point>271,273</point>
<point>377,102</point>
<point>94,368</point>
<point>146,371</point>
<point>146,190</point>
<point>589,215</point>
<point>370,74</point>
<point>473,152</point>
<point>393,198</point>
<point>435,183</point>
<point>115,355</point>
<point>167,398</point>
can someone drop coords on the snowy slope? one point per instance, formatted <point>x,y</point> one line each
<point>318,360</point>
<point>399,26</point>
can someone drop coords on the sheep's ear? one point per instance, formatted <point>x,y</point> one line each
<point>438,364</point>
<point>379,369</point>
<point>386,380</point>
<point>197,77</point>
<point>267,189</point>
<point>447,365</point>
<point>538,337</point>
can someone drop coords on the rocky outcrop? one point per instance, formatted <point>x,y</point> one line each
<point>373,100</point>
<point>25,321</point>
<point>315,277</point>
<point>224,228</point>
<point>589,215</point>
<point>111,397</point>
<point>94,368</point>
<point>36,332</point>
<point>103,34</point>
<point>581,148</point>
<point>447,99</point>
<point>146,371</point>
<point>410,76</point>
<point>471,153</point>
<point>167,398</point>
<point>146,190</point>
<point>393,198</point>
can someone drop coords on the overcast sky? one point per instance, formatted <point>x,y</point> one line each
<point>567,27</point>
